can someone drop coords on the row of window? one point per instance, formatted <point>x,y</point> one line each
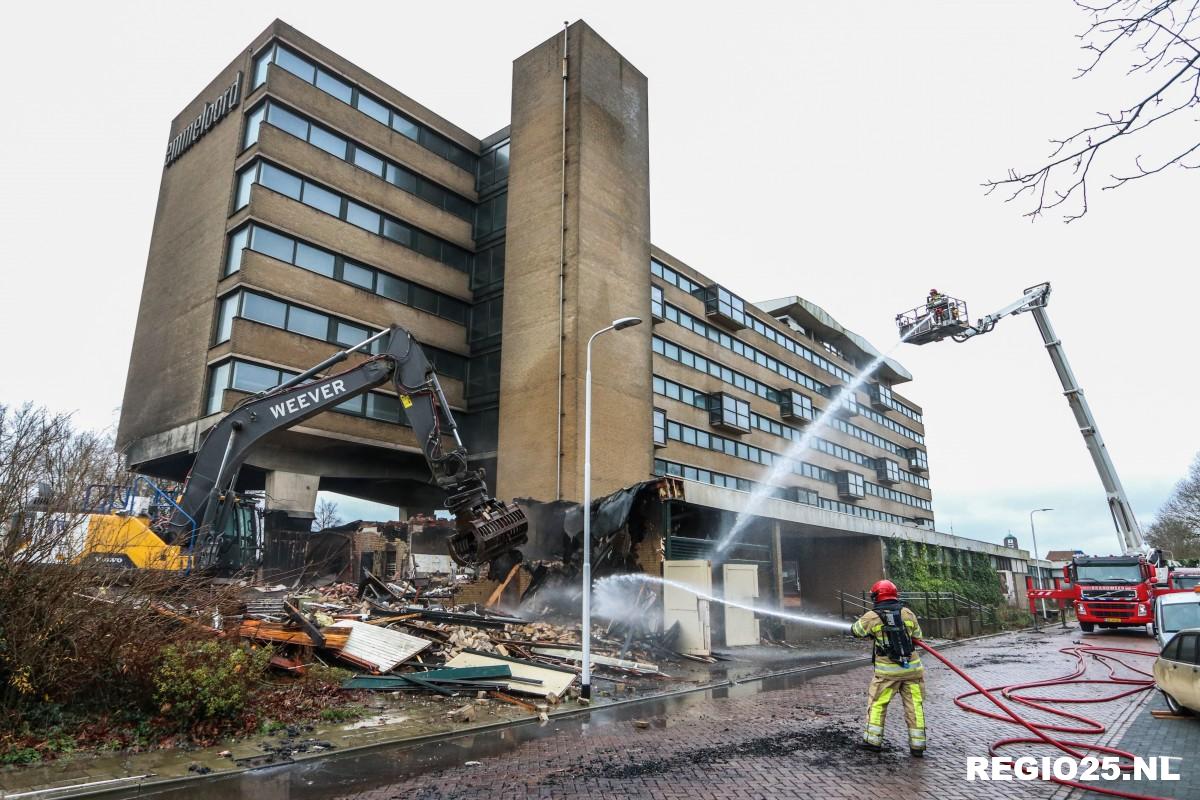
<point>324,262</point>
<point>698,362</point>
<point>736,345</point>
<point>897,496</point>
<point>351,95</point>
<point>664,467</point>
<point>369,219</point>
<point>351,152</point>
<point>698,399</point>
<point>246,376</point>
<point>771,426</point>
<point>318,325</point>
<point>736,310</point>
<point>767,458</point>
<point>881,394</point>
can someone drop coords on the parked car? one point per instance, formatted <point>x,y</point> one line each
<point>1177,672</point>
<point>1185,578</point>
<point>1174,612</point>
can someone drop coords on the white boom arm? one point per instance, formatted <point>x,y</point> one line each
<point>1034,301</point>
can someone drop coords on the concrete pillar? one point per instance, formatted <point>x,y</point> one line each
<point>293,492</point>
<point>777,560</point>
<point>606,236</point>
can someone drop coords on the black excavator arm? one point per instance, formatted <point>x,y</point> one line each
<point>486,527</point>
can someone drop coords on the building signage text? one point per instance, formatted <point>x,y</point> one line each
<point>213,113</point>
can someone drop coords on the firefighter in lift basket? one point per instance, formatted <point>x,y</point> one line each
<point>891,626</point>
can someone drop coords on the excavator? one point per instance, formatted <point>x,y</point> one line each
<point>206,526</point>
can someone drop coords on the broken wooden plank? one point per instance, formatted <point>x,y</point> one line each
<point>259,630</point>
<point>305,624</point>
<point>496,595</point>
<point>508,698</point>
<point>640,667</point>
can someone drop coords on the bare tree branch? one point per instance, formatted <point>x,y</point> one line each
<point>1160,36</point>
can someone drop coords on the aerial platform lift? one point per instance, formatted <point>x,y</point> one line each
<point>944,317</point>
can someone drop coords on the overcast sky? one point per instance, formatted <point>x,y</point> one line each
<point>830,150</point>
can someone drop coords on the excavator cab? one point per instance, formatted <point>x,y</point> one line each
<point>941,317</point>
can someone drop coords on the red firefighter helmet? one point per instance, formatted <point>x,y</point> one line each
<point>884,590</point>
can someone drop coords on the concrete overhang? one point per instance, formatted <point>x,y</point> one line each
<point>819,521</point>
<point>812,317</point>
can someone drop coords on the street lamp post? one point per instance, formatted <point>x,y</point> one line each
<point>1038,581</point>
<point>585,692</point>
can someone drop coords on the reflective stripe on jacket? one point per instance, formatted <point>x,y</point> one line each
<point>870,625</point>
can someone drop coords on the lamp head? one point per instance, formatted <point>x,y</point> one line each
<point>625,322</point>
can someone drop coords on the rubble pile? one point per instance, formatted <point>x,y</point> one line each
<point>399,638</point>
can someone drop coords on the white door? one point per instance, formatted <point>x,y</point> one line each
<point>741,587</point>
<point>685,607</point>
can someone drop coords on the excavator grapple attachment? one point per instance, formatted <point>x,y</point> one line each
<point>486,535</point>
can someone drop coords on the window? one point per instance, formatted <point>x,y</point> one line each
<point>660,427</point>
<point>347,334</point>
<point>245,180</point>
<point>233,254</point>
<point>373,109</point>
<point>272,244</point>
<point>850,485</point>
<point>260,66</point>
<point>383,407</point>
<point>265,310</point>
<point>253,378</point>
<point>331,85</point>
<point>283,182</point>
<point>359,276</point>
<point>329,142</point>
<point>402,178</point>
<point>287,121</point>
<point>368,161</point>
<point>393,288</point>
<point>397,232</point>
<point>1171,651</point>
<point>1188,647</point>
<point>362,217</point>
<point>253,121</point>
<point>225,314</point>
<point>491,216</point>
<point>307,323</point>
<point>492,168</point>
<point>295,65</point>
<point>315,259</point>
<point>656,301</point>
<point>322,199</point>
<point>218,382</point>
<point>726,411</point>
<point>405,127</point>
<point>487,319</point>
<point>795,405</point>
<point>483,375</point>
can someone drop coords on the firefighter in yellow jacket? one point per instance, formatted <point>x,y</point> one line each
<point>892,626</point>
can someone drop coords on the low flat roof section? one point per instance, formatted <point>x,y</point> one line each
<point>812,316</point>
<point>823,522</point>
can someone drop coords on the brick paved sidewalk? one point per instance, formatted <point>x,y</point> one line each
<point>793,742</point>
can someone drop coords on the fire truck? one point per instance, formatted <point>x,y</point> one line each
<point>1107,591</point>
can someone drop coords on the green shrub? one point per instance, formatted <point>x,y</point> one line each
<point>208,680</point>
<point>343,713</point>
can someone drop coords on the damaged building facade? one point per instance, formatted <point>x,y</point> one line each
<point>320,205</point>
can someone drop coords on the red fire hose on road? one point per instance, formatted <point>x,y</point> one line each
<point>1041,731</point>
